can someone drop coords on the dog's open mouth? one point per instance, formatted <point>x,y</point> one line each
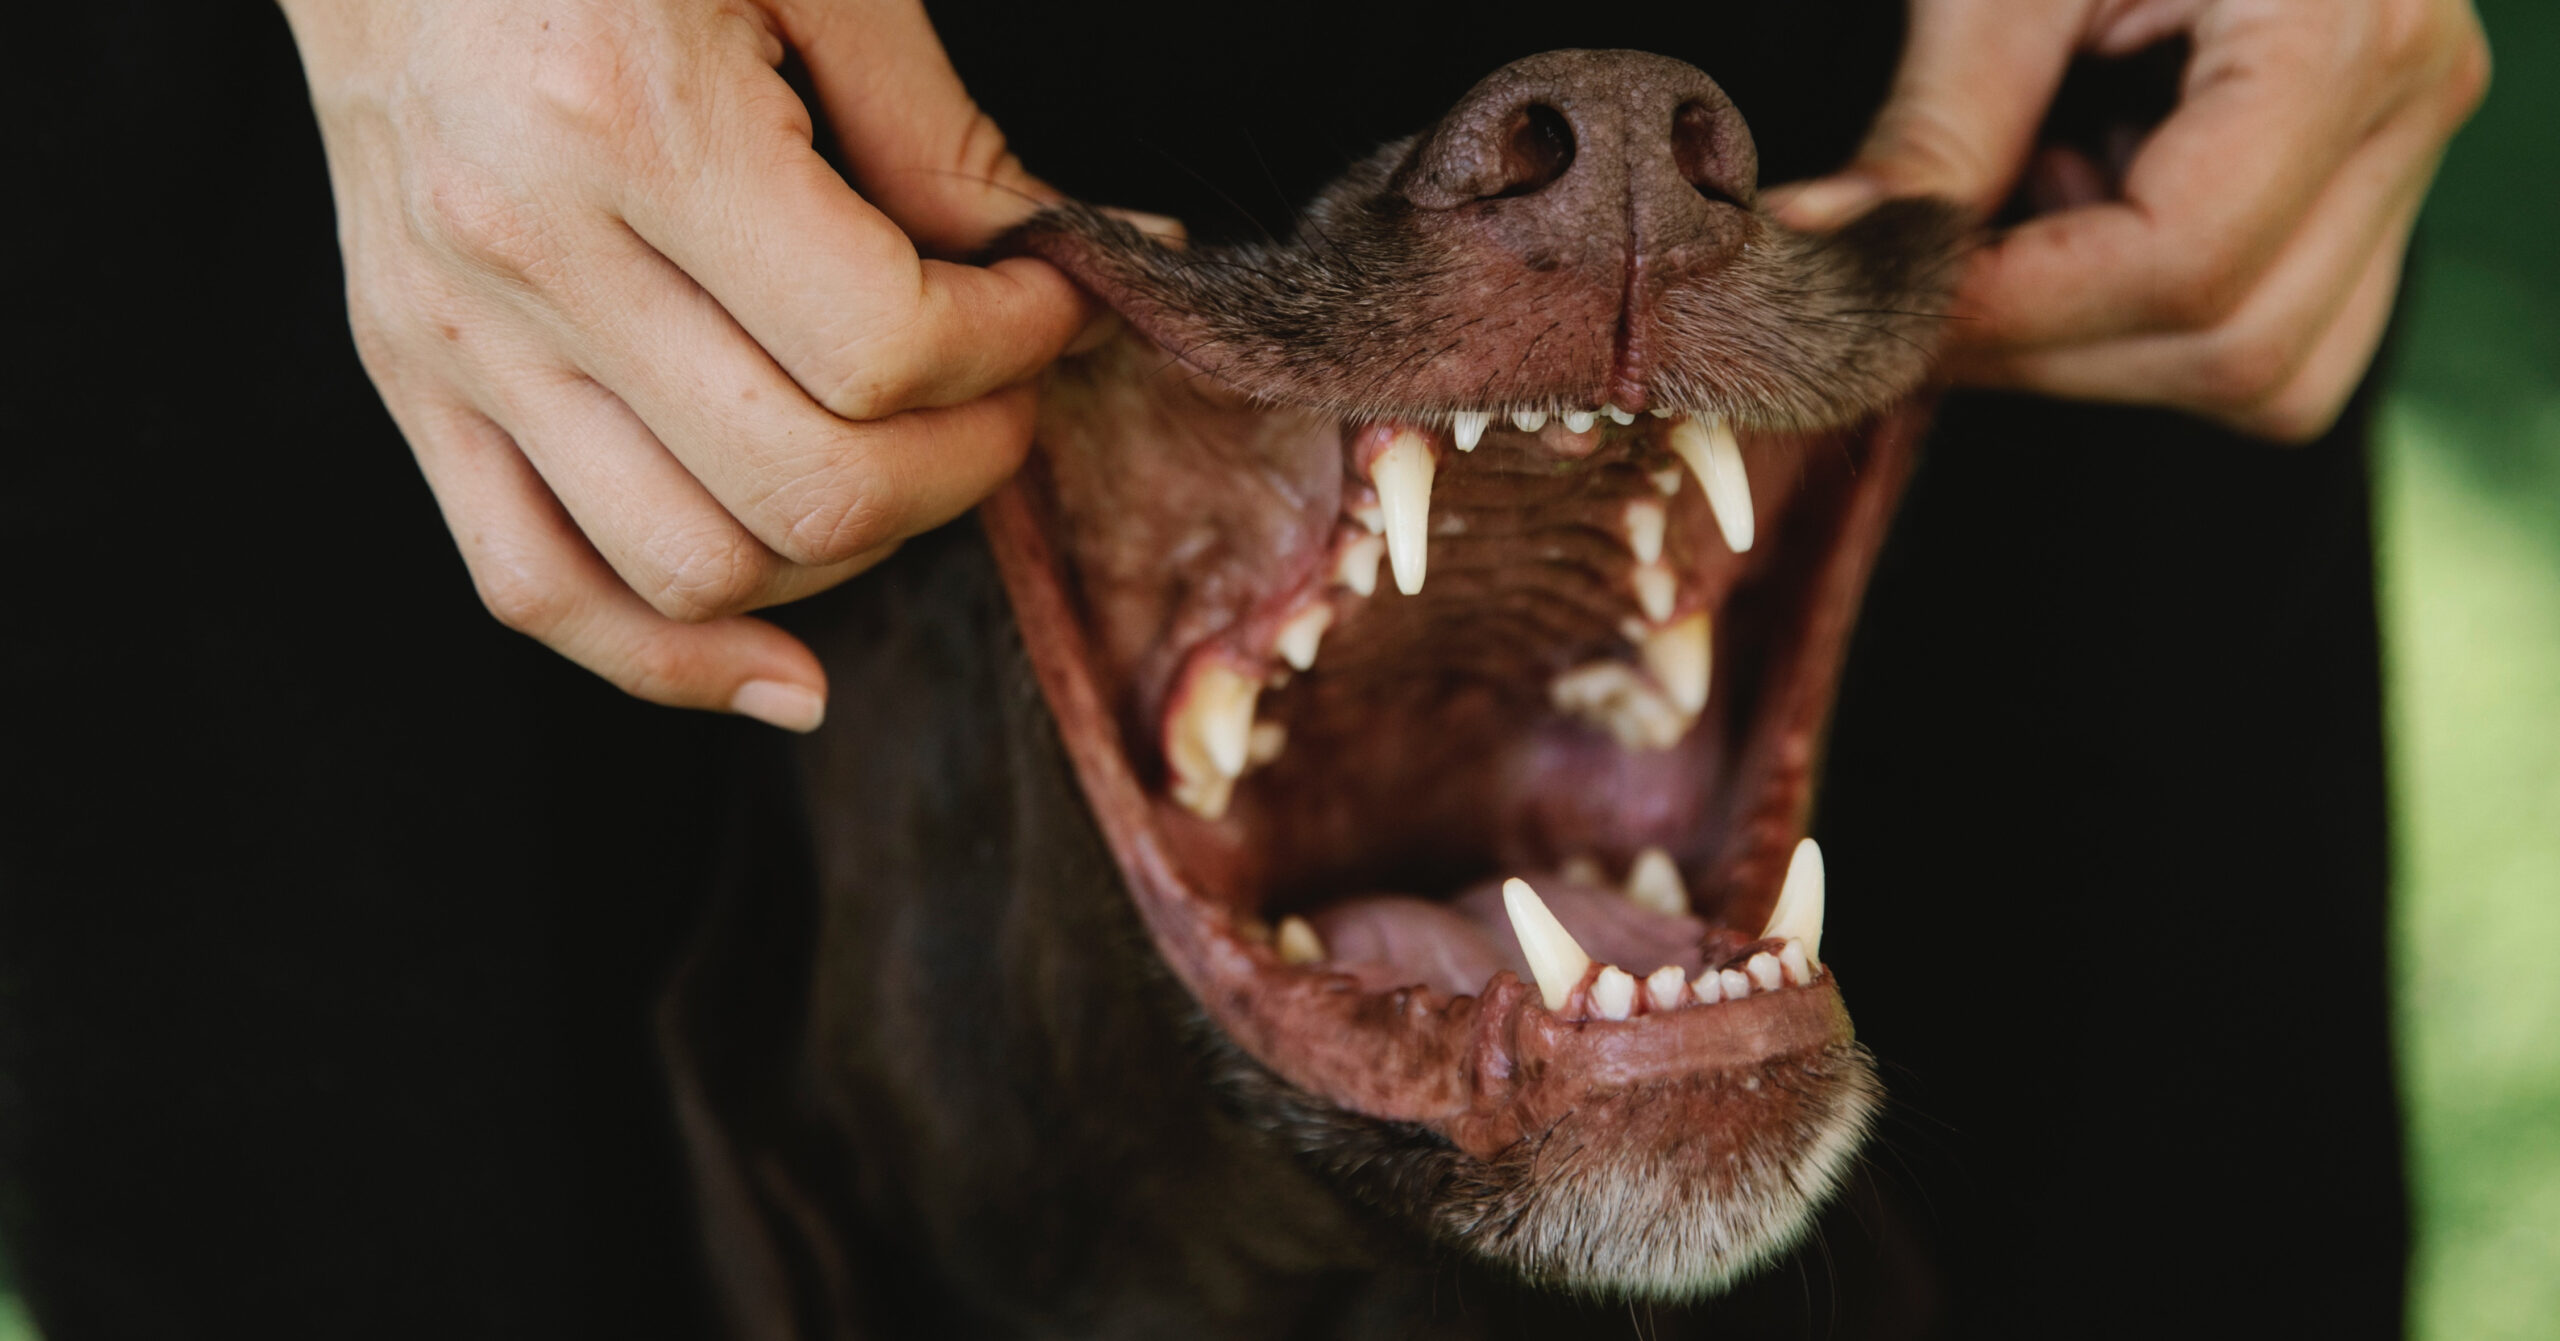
<point>1442,611</point>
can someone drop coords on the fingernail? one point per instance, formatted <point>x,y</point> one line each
<point>789,706</point>
<point>1820,206</point>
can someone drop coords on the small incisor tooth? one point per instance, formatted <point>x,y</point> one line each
<point>1466,428</point>
<point>1402,474</point>
<point>1664,987</point>
<point>1303,631</point>
<point>1528,421</point>
<point>1680,655</point>
<point>1555,959</point>
<point>1709,988</point>
<point>1646,521</point>
<point>1798,916</point>
<point>1616,415</point>
<point>1735,982</point>
<point>1791,958</point>
<point>1579,421</point>
<point>1356,566</point>
<point>1656,590</point>
<point>1299,943</point>
<point>1613,993</point>
<point>1210,739</point>
<point>1653,883</point>
<point>1706,442</point>
<point>1764,971</point>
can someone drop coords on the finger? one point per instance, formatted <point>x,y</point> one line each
<point>1945,129</point>
<point>816,489</point>
<point>537,574</point>
<point>669,540</point>
<point>2311,402</point>
<point>827,284</point>
<point>2209,201</point>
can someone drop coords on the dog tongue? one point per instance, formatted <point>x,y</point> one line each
<point>1391,940</point>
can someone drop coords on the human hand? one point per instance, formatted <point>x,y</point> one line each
<point>2244,266</point>
<point>658,362</point>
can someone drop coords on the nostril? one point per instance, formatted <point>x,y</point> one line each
<point>1706,143</point>
<point>1537,147</point>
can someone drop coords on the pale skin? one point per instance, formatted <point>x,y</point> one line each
<point>662,366</point>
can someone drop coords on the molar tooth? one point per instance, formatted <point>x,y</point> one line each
<point>1764,971</point>
<point>1798,916</point>
<point>1372,518</point>
<point>1617,416</point>
<point>1681,655</point>
<point>1706,442</point>
<point>1266,743</point>
<point>1666,481</point>
<point>1299,636</point>
<point>1613,993</point>
<point>1528,421</point>
<point>1555,958</point>
<point>1356,567</point>
<point>1611,695</point>
<point>1209,741</point>
<point>1791,958</point>
<point>1709,988</point>
<point>1402,474</point>
<point>1466,428</point>
<point>1736,983</point>
<point>1299,943</point>
<point>1656,589</point>
<point>1654,883</point>
<point>1665,986</point>
<point>1646,520</point>
<point>1579,421</point>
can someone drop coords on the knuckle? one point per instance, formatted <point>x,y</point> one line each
<point>836,515</point>
<point>2242,375</point>
<point>2204,287</point>
<point>658,666</point>
<point>701,577</point>
<point>464,212</point>
<point>1933,152</point>
<point>519,598</point>
<point>860,384</point>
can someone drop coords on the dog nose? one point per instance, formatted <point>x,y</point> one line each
<point>1586,139</point>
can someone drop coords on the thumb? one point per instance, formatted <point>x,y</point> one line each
<point>918,148</point>
<point>1975,80</point>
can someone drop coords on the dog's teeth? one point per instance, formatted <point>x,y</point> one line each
<point>1706,442</point>
<point>1579,421</point>
<point>1681,655</point>
<point>1656,589</point>
<point>1555,958</point>
<point>1709,988</point>
<point>1210,739</point>
<point>1791,958</point>
<point>1613,993</point>
<point>1666,481</point>
<point>1402,474</point>
<point>1613,696</point>
<point>1299,943</point>
<point>1582,869</point>
<point>1618,416</point>
<point>1645,523</point>
<point>1664,987</point>
<point>1528,421</point>
<point>1356,567</point>
<point>1736,983</point>
<point>1266,743</point>
<point>1299,636</point>
<point>1372,518</point>
<point>1764,972</point>
<point>1654,883</point>
<point>1466,428</point>
<point>1662,412</point>
<point>1798,916</point>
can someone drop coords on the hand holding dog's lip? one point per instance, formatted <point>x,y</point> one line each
<point>2244,265</point>
<point>660,365</point>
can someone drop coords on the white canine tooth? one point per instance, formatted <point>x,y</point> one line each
<point>1579,421</point>
<point>1299,943</point>
<point>1706,442</point>
<point>1666,481</point>
<point>1555,959</point>
<point>1656,589</point>
<point>1764,971</point>
<point>1615,697</point>
<point>1791,958</point>
<point>1209,741</point>
<point>1618,416</point>
<point>1582,869</point>
<point>1613,993</point>
<point>1266,743</point>
<point>1402,474</point>
<point>1653,883</point>
<point>1798,916</point>
<point>1681,655</point>
<point>1300,634</point>
<point>1665,986</point>
<point>1646,521</point>
<point>1735,982</point>
<point>1528,421</point>
<point>1356,566</point>
<point>1466,428</point>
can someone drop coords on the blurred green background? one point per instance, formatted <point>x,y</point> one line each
<point>2468,470</point>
